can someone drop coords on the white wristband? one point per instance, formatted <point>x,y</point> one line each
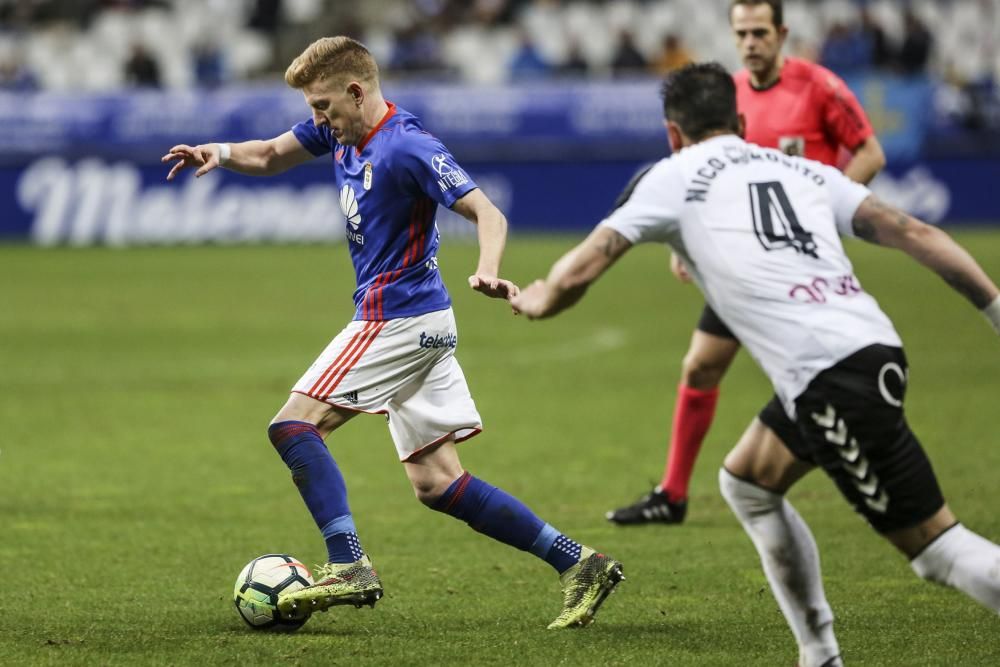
<point>224,153</point>
<point>992,313</point>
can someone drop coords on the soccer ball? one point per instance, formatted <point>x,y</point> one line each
<point>259,585</point>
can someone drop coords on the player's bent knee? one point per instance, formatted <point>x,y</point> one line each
<point>935,560</point>
<point>426,496</point>
<point>701,373</point>
<point>746,499</point>
<point>296,410</point>
<point>929,570</point>
<point>429,489</point>
<point>707,360</point>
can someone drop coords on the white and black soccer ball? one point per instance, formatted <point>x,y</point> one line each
<point>259,585</point>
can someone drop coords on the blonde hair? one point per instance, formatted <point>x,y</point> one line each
<point>330,57</point>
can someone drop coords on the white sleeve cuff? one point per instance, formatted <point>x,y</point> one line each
<point>992,313</point>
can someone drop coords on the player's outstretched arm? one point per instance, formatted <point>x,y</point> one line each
<point>572,275</point>
<point>256,158</point>
<point>491,226</point>
<point>877,222</point>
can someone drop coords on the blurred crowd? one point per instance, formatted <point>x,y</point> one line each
<point>850,47</point>
<point>110,44</point>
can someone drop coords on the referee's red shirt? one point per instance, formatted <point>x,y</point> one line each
<point>808,111</point>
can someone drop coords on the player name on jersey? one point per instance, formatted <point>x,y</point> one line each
<point>713,166</point>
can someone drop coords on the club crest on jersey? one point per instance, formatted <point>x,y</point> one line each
<point>368,176</point>
<point>792,145</point>
<point>451,176</point>
<point>349,206</point>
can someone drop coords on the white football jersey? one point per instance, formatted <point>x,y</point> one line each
<point>760,233</point>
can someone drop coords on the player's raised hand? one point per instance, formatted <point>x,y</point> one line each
<point>493,287</point>
<point>205,156</point>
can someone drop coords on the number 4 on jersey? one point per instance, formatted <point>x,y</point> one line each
<point>775,222</point>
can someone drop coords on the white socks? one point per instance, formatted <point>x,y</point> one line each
<point>958,558</point>
<point>964,560</point>
<point>791,563</point>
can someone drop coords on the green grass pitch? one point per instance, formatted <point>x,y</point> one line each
<point>137,478</point>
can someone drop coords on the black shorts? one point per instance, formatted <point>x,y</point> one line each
<point>774,417</point>
<point>710,323</point>
<point>850,421</point>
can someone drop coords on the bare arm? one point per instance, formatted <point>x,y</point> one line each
<point>491,227</point>
<point>868,161</point>
<point>256,158</point>
<point>572,274</point>
<point>880,223</point>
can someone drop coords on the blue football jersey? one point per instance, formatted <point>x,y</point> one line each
<point>390,186</point>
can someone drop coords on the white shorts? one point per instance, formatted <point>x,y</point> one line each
<point>403,368</point>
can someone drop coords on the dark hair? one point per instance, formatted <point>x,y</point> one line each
<point>777,14</point>
<point>701,98</point>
